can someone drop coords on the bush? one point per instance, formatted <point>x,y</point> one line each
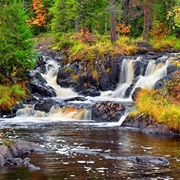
<point>10,95</point>
<point>153,104</point>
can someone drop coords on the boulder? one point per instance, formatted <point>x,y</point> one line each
<point>41,90</point>
<point>107,111</point>
<point>104,82</point>
<point>145,159</point>
<point>12,154</point>
<point>144,47</point>
<point>45,105</point>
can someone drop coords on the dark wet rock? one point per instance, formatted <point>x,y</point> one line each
<point>2,160</point>
<point>26,161</point>
<point>41,90</point>
<point>38,86</point>
<point>147,125</point>
<point>114,73</point>
<point>37,76</point>
<point>145,159</point>
<point>12,154</point>
<point>15,162</point>
<point>89,92</point>
<point>144,47</point>
<point>161,82</point>
<point>1,113</point>
<point>171,68</point>
<point>107,111</point>
<point>131,87</point>
<point>134,94</point>
<point>104,82</point>
<point>45,105</point>
<point>75,99</point>
<point>33,167</point>
<point>64,78</point>
<point>138,68</point>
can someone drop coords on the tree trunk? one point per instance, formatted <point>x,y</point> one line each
<point>112,22</point>
<point>147,22</point>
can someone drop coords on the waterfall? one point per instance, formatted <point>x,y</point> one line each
<point>130,77</point>
<point>125,78</point>
<point>153,73</point>
<point>51,75</point>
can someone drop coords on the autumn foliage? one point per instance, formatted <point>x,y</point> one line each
<point>40,14</point>
<point>159,30</point>
<point>86,37</point>
<point>122,28</point>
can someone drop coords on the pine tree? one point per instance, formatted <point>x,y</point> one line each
<point>16,53</point>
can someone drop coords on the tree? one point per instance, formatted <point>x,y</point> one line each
<point>112,22</point>
<point>147,21</point>
<point>16,53</point>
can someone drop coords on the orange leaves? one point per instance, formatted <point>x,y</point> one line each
<point>159,30</point>
<point>122,28</point>
<point>40,14</point>
<point>86,37</point>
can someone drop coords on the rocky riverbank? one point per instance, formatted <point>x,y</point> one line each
<point>89,80</point>
<point>15,152</point>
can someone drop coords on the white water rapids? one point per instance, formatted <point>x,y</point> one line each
<point>153,72</point>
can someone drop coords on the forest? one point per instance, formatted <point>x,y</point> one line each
<point>82,29</point>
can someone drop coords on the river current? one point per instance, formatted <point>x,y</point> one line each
<point>86,150</point>
<point>78,148</point>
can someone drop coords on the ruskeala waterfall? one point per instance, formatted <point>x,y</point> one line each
<point>79,147</point>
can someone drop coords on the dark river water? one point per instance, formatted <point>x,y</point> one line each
<point>85,151</point>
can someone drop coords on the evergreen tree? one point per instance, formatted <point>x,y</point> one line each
<point>16,53</point>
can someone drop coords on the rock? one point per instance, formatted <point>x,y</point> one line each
<point>11,155</point>
<point>33,167</point>
<point>89,92</point>
<point>144,47</point>
<point>145,159</point>
<point>42,90</point>
<point>2,160</point>
<point>45,105</point>
<point>64,78</point>
<point>107,111</point>
<point>15,162</point>
<point>26,161</point>
<point>114,73</point>
<point>75,99</point>
<point>104,82</point>
<point>147,125</point>
<point>134,94</point>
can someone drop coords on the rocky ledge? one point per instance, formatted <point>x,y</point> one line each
<point>16,151</point>
<point>147,125</point>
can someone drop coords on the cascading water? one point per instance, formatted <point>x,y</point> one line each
<point>51,75</point>
<point>125,78</point>
<point>153,72</point>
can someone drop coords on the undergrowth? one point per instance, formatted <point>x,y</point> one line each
<point>163,106</point>
<point>80,47</point>
<point>169,42</point>
<point>10,95</point>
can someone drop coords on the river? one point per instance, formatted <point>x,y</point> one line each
<point>85,150</point>
<point>79,148</point>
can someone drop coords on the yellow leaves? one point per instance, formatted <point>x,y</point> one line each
<point>175,14</point>
<point>14,72</point>
<point>151,103</point>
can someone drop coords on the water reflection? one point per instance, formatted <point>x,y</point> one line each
<point>83,151</point>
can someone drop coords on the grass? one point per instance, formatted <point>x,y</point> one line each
<point>163,106</point>
<point>10,95</point>
<point>76,49</point>
<point>169,42</point>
